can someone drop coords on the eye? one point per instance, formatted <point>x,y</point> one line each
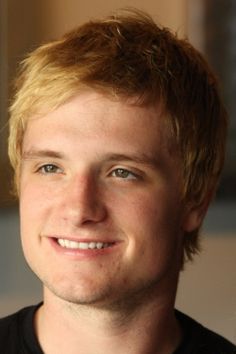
<point>49,169</point>
<point>123,173</point>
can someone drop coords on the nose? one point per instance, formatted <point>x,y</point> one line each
<point>82,201</point>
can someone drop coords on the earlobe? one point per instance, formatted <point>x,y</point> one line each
<point>192,220</point>
<point>194,215</point>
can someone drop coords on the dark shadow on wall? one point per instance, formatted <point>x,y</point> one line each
<point>22,26</point>
<point>220,48</point>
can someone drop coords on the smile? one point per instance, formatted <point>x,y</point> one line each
<point>82,245</point>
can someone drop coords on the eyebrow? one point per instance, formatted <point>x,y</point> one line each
<point>35,153</point>
<point>140,158</point>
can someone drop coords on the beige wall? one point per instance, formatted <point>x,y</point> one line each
<point>207,288</point>
<point>65,15</point>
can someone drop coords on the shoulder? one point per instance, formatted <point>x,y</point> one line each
<point>12,328</point>
<point>201,340</point>
<point>7,325</point>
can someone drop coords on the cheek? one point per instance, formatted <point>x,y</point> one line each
<point>151,223</point>
<point>147,211</point>
<point>35,205</point>
<point>34,196</point>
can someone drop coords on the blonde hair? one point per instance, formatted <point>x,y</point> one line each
<point>128,55</point>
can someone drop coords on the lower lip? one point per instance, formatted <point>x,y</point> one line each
<point>82,253</point>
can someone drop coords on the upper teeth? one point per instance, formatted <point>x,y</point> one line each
<point>81,245</point>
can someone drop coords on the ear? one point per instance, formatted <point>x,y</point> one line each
<point>195,214</point>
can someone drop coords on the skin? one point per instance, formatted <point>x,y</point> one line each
<point>102,170</point>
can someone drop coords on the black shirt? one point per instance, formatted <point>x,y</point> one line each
<point>17,336</point>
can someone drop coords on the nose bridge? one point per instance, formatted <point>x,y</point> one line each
<point>82,199</point>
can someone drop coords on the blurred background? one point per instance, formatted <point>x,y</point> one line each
<point>207,288</point>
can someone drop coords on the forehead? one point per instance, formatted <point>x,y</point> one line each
<point>96,116</point>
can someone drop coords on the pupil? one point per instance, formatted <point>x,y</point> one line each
<point>50,168</point>
<point>122,173</point>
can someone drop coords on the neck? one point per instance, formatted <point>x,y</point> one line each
<point>150,327</point>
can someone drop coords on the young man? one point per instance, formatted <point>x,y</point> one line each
<point>117,137</point>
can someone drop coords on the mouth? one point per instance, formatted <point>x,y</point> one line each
<point>83,245</point>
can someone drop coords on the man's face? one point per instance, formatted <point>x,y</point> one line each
<point>101,213</point>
